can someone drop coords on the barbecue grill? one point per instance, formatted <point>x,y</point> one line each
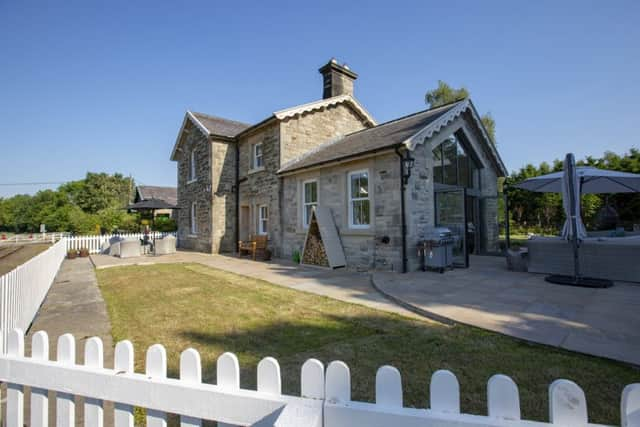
<point>436,250</point>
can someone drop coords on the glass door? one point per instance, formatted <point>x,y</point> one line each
<point>451,212</point>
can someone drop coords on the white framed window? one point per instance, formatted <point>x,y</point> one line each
<point>359,201</point>
<point>309,200</point>
<point>263,219</point>
<point>192,166</point>
<point>257,159</point>
<point>194,219</point>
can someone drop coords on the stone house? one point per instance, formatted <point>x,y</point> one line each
<point>383,184</point>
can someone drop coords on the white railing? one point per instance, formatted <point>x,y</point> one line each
<point>31,238</point>
<point>325,396</point>
<point>94,242</point>
<point>23,289</point>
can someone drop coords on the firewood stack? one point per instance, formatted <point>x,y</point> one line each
<point>314,252</point>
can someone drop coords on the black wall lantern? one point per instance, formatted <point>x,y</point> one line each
<point>407,165</point>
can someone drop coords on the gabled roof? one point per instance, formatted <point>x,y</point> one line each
<point>209,126</point>
<point>406,131</point>
<point>167,194</point>
<point>219,126</point>
<point>324,103</point>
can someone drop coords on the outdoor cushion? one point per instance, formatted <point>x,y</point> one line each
<point>613,258</point>
<point>129,248</point>
<point>166,245</point>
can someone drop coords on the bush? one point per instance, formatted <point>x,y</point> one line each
<point>83,252</point>
<point>72,254</point>
<point>165,224</point>
<point>296,257</point>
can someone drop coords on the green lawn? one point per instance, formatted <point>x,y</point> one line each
<point>189,305</point>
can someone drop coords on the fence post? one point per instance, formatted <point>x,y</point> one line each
<point>65,405</point>
<point>93,357</point>
<point>444,392</point>
<point>567,404</point>
<point>503,399</point>
<point>190,372</point>
<point>39,397</point>
<point>123,363</point>
<point>156,367</point>
<point>15,392</point>
<point>389,387</point>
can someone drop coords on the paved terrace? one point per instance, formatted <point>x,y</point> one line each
<point>601,322</point>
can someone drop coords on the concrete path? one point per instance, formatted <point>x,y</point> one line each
<point>339,284</point>
<point>74,305</point>
<point>601,322</point>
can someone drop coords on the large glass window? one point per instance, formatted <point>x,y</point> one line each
<point>359,203</point>
<point>452,165</point>
<point>309,200</point>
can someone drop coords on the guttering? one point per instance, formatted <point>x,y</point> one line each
<point>402,212</point>
<point>348,158</point>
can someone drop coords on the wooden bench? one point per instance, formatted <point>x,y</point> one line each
<point>256,243</point>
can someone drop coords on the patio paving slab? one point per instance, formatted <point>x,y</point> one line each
<point>599,322</point>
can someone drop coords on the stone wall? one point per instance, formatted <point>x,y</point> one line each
<point>198,191</point>
<point>364,248</point>
<point>223,199</point>
<point>302,133</point>
<point>262,187</point>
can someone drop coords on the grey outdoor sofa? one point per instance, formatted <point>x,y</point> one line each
<point>613,258</point>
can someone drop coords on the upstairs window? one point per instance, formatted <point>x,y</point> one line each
<point>263,219</point>
<point>309,200</point>
<point>257,156</point>
<point>359,202</point>
<point>192,166</point>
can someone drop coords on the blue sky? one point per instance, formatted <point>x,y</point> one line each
<point>103,86</point>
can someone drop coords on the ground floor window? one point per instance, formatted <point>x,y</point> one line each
<point>359,203</point>
<point>263,219</point>
<point>309,200</point>
<point>194,219</point>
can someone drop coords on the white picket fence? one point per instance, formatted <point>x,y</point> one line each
<point>325,397</point>
<point>94,242</point>
<point>23,289</point>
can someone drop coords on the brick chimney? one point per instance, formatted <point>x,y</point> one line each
<point>336,79</point>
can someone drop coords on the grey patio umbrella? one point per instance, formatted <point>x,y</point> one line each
<point>592,181</point>
<point>572,182</point>
<point>573,229</point>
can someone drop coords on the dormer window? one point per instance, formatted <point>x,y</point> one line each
<point>258,162</point>
<point>192,166</point>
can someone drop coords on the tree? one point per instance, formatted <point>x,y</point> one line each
<point>445,94</point>
<point>85,206</point>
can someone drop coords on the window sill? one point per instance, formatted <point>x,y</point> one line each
<point>192,236</point>
<point>252,171</point>
<point>192,180</point>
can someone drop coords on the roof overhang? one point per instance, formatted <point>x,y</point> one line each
<point>465,106</point>
<point>325,103</point>
<point>190,117</point>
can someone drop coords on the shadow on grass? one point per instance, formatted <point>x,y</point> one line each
<point>366,343</point>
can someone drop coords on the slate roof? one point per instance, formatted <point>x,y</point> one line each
<point>384,136</point>
<point>167,194</point>
<point>220,126</point>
